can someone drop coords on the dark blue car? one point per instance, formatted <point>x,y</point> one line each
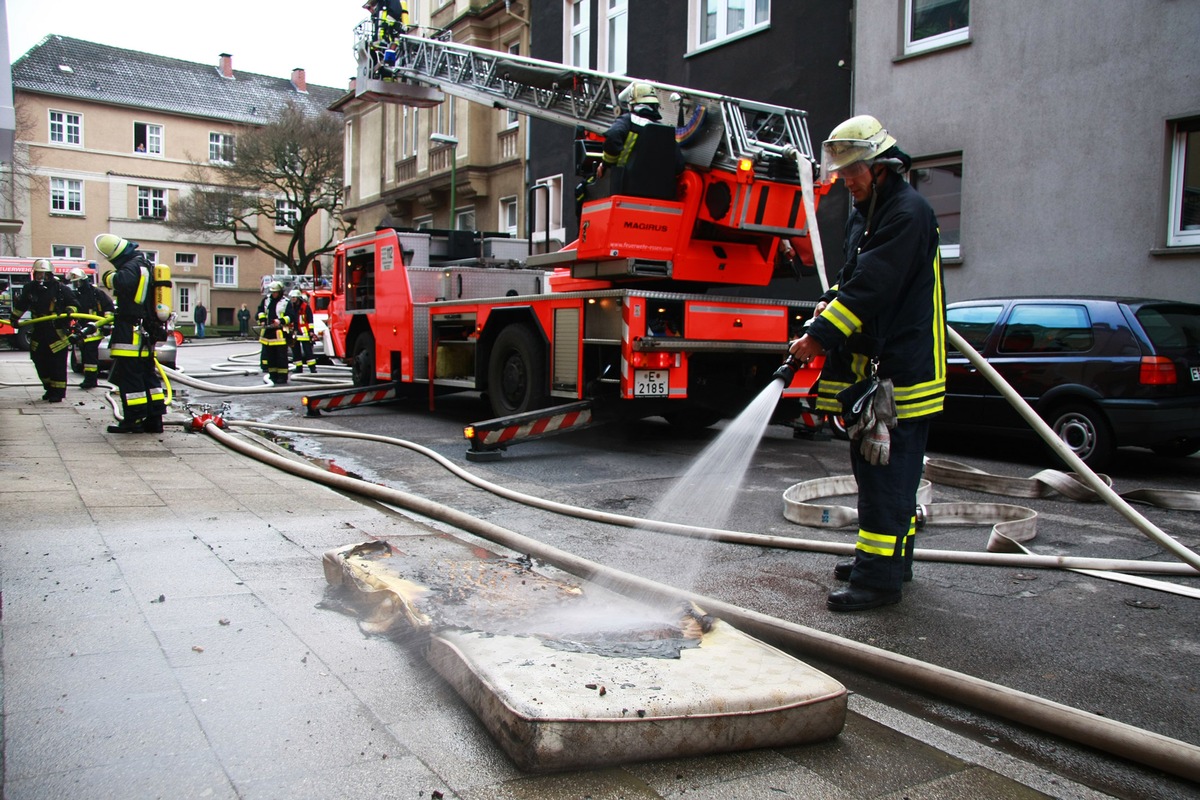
<point>1103,372</point>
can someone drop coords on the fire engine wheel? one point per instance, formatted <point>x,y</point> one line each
<point>362,362</point>
<point>516,372</point>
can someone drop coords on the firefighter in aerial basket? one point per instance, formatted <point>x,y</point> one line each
<point>273,321</point>
<point>92,300</point>
<point>46,296</point>
<point>140,321</point>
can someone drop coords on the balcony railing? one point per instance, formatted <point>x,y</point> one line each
<point>507,140</point>
<point>439,158</point>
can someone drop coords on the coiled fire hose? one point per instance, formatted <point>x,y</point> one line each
<point>1117,738</point>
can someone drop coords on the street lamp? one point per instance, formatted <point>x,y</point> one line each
<point>445,138</point>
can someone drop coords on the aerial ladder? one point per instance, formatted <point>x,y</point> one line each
<point>753,163</point>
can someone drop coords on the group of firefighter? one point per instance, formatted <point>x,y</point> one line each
<point>77,312</point>
<point>285,324</point>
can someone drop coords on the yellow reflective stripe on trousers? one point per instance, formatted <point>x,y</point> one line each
<point>878,543</point>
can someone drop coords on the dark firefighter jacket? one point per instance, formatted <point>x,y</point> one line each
<point>42,300</point>
<point>888,300</point>
<point>93,300</point>
<point>273,318</point>
<point>132,285</point>
<point>622,136</point>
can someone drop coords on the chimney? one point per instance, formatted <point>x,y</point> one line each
<point>298,80</point>
<point>225,65</point>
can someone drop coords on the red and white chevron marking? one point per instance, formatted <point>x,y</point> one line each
<point>551,424</point>
<point>350,399</point>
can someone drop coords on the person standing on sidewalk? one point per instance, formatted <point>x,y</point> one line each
<point>136,328</point>
<point>46,296</point>
<point>92,300</point>
<point>885,318</point>
<point>273,323</point>
<point>243,317</point>
<point>200,316</point>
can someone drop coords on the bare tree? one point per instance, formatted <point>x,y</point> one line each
<point>282,175</point>
<point>18,177</point>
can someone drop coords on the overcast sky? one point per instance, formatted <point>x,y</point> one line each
<point>269,37</point>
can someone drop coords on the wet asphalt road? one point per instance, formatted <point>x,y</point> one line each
<point>1127,653</point>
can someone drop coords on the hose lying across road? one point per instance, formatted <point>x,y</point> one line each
<point>1146,747</point>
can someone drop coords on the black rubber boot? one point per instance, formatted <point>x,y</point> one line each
<point>132,427</point>
<point>843,568</point>
<point>152,424</point>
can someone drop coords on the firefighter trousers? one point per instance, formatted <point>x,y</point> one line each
<point>887,502</point>
<point>49,357</point>
<point>143,400</point>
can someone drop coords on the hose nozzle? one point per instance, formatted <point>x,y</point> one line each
<point>787,370</point>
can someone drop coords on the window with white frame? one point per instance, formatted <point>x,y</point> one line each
<point>548,210</point>
<point>281,268</point>
<point>348,152</point>
<point>423,223</point>
<point>185,261</point>
<point>224,270</point>
<point>1185,184</point>
<point>287,214</point>
<point>508,215</point>
<point>185,300</point>
<point>151,255</point>
<point>512,118</point>
<point>713,21</point>
<point>66,251</point>
<point>151,203</point>
<point>578,46</point>
<point>616,36</point>
<point>66,128</point>
<point>929,24</point>
<point>66,196</point>
<point>940,182</point>
<point>408,132</point>
<point>220,148</point>
<point>464,219</point>
<point>148,138</point>
<point>445,117</point>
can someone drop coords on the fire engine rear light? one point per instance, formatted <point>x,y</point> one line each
<point>745,170</point>
<point>660,360</point>
<point>1157,371</point>
<point>469,432</point>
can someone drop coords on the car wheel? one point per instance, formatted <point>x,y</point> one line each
<point>1086,432</point>
<point>362,362</point>
<point>76,362</point>
<point>516,372</point>
<point>1177,449</point>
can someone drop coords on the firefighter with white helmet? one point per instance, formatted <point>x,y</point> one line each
<point>87,334</point>
<point>46,296</point>
<point>273,321</point>
<point>882,325</point>
<point>301,315</point>
<point>136,328</point>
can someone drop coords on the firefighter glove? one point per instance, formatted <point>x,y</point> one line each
<point>874,427</point>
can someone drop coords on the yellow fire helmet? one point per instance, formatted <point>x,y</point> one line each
<point>860,138</point>
<point>77,275</point>
<point>111,245</point>
<point>42,265</point>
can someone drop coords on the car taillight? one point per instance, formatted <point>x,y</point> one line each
<point>1156,371</point>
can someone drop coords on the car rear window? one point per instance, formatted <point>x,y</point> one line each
<point>1173,327</point>
<point>1047,329</point>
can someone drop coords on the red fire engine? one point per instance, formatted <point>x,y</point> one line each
<point>636,318</point>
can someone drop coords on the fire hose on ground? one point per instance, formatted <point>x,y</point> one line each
<point>1146,747</point>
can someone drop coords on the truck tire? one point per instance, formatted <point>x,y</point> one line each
<point>516,372</point>
<point>362,361</point>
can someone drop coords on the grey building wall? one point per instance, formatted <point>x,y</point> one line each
<point>1060,110</point>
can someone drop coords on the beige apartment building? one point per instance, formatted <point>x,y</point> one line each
<point>110,138</point>
<point>400,159</point>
